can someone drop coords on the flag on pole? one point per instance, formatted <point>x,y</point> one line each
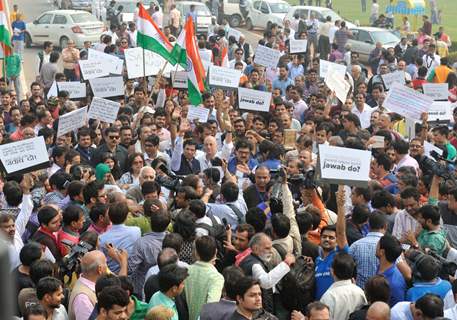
<point>224,56</point>
<point>186,54</point>
<point>5,38</point>
<point>150,37</point>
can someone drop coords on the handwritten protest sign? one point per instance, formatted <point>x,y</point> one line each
<point>72,121</point>
<point>153,63</point>
<point>198,113</point>
<point>112,63</point>
<point>24,155</point>
<point>107,87</point>
<point>440,111</point>
<point>324,65</point>
<point>103,110</point>
<point>335,81</point>
<point>344,166</point>
<point>179,79</point>
<point>224,77</point>
<point>267,57</point>
<point>436,91</point>
<point>298,46</point>
<point>249,99</point>
<point>76,89</point>
<point>92,69</point>
<point>235,33</point>
<point>394,77</point>
<point>407,102</point>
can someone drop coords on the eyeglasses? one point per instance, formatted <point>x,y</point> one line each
<point>114,137</point>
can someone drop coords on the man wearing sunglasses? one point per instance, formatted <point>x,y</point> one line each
<point>111,144</point>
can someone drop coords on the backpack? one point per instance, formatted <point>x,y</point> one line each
<point>240,216</point>
<point>296,288</point>
<point>217,231</point>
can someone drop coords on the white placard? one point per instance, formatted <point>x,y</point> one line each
<point>103,110</point>
<point>324,65</point>
<point>378,142</point>
<point>394,77</point>
<point>224,77</point>
<point>72,121</point>
<point>92,69</point>
<point>343,165</point>
<point>112,63</point>
<point>436,91</point>
<point>23,154</point>
<point>53,90</point>
<point>107,87</point>
<point>335,81</point>
<point>407,102</point>
<point>206,65</point>
<point>428,148</point>
<point>256,100</point>
<point>179,79</point>
<point>161,97</point>
<point>298,46</point>
<point>134,62</point>
<point>233,32</point>
<point>75,88</point>
<point>440,110</point>
<point>267,57</point>
<point>198,113</point>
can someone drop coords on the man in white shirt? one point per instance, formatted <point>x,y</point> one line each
<point>43,57</point>
<point>300,106</point>
<point>404,220</point>
<point>332,31</point>
<point>431,59</point>
<point>238,58</point>
<point>210,151</point>
<point>362,110</point>
<point>157,16</point>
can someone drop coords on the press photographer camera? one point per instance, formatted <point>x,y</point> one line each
<point>70,263</point>
<point>168,179</point>
<point>438,165</point>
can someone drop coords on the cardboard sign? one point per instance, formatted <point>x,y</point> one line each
<point>112,63</point>
<point>24,155</point>
<point>267,57</point>
<point>378,142</point>
<point>179,79</point>
<point>436,91</point>
<point>249,99</point>
<point>324,65</point>
<point>335,81</point>
<point>153,63</point>
<point>394,77</point>
<point>72,121</point>
<point>290,138</point>
<point>198,113</point>
<point>107,87</point>
<point>298,46</point>
<point>103,110</point>
<point>407,102</point>
<point>224,77</point>
<point>235,33</point>
<point>75,88</point>
<point>92,69</point>
<point>344,166</point>
<point>440,111</point>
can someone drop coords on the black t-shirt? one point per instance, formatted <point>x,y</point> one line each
<point>309,249</point>
<point>22,280</point>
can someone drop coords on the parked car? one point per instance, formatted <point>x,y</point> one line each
<point>81,5</point>
<point>203,14</point>
<point>364,40</point>
<point>232,13</point>
<point>59,26</point>
<point>321,13</point>
<point>263,13</point>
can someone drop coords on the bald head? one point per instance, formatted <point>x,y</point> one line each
<point>93,263</point>
<point>378,311</point>
<point>210,145</point>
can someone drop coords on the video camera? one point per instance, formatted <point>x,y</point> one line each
<point>70,263</point>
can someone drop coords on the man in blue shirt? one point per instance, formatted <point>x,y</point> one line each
<point>283,80</point>
<point>333,240</point>
<point>18,27</point>
<point>387,251</point>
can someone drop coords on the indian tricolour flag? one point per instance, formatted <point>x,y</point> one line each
<point>186,54</point>
<point>5,38</point>
<point>150,37</point>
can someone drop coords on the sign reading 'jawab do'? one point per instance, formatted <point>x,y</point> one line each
<point>24,156</point>
<point>256,100</point>
<point>343,166</point>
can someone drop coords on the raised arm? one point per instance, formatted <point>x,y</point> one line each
<point>341,239</point>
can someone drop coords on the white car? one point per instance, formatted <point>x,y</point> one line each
<point>364,40</point>
<point>232,13</point>
<point>263,13</point>
<point>203,14</point>
<point>130,6</point>
<point>321,14</point>
<point>59,26</point>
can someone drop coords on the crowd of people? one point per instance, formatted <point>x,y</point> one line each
<point>158,217</point>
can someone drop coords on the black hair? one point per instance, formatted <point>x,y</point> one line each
<point>377,288</point>
<point>232,275</point>
<point>154,139</point>
<point>47,285</point>
<point>205,247</point>
<point>428,268</point>
<point>230,191</point>
<point>60,180</point>
<point>35,310</point>
<point>360,214</point>
<point>430,212</point>
<point>173,240</point>
<point>383,160</point>
<point>74,189</point>
<point>244,284</point>
<point>13,193</point>
<point>401,146</point>
<point>159,219</point>
<point>364,192</point>
<point>118,212</point>
<point>410,192</point>
<point>30,253</point>
<point>391,246</point>
<point>377,221</point>
<point>198,208</point>
<point>106,280</point>
<point>111,296</point>
<point>281,225</point>
<point>97,211</point>
<point>185,225</point>
<point>256,218</point>
<point>430,305</point>
<point>41,268</point>
<point>46,214</point>
<point>150,187</point>
<point>72,214</point>
<point>343,266</point>
<point>171,275</point>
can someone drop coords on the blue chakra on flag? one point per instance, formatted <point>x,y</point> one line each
<point>189,65</point>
